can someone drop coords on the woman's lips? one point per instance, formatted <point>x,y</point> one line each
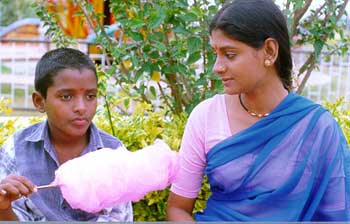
<point>227,82</point>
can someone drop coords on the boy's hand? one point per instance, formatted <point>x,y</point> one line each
<point>12,188</point>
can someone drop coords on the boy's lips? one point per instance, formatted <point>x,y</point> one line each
<point>80,121</point>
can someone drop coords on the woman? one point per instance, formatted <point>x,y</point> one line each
<point>269,154</point>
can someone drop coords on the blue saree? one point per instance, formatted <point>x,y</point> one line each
<point>289,166</point>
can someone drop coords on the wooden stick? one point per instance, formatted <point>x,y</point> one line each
<point>46,186</point>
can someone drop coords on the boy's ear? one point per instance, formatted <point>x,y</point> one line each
<point>38,101</point>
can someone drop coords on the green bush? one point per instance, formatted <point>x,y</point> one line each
<point>141,129</point>
<point>341,113</point>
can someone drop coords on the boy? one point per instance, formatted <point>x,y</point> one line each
<point>66,90</point>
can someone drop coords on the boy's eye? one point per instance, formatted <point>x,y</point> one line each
<point>91,96</point>
<point>66,97</point>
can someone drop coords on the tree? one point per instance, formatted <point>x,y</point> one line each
<point>318,27</point>
<point>11,11</point>
<point>163,41</point>
<point>166,42</point>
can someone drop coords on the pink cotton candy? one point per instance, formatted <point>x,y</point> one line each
<point>106,177</point>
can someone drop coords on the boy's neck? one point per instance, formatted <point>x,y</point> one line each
<point>69,148</point>
<point>66,151</point>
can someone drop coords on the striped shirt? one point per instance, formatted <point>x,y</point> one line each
<point>30,153</point>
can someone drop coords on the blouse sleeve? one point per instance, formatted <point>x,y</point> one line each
<point>192,154</point>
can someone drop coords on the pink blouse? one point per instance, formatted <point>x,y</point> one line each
<point>207,125</point>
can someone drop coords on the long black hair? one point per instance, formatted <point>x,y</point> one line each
<point>252,22</point>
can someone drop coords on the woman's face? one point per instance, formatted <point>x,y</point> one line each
<point>240,66</point>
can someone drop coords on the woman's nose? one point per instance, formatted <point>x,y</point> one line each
<point>218,68</point>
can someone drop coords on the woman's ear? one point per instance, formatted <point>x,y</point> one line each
<point>270,51</point>
<point>38,101</point>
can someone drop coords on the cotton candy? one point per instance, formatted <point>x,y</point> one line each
<point>106,177</point>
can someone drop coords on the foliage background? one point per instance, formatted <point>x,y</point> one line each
<point>141,129</point>
<point>11,11</point>
<point>161,54</point>
<point>161,64</point>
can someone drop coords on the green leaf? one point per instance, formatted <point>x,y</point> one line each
<point>193,57</point>
<point>190,16</point>
<point>170,69</point>
<point>154,55</point>
<point>153,91</point>
<point>39,14</point>
<point>136,36</point>
<point>78,13</point>
<point>193,44</point>
<point>111,70</point>
<point>318,45</point>
<point>182,69</point>
<point>298,4</point>
<point>160,46</point>
<point>157,18</point>
<point>138,75</point>
<point>146,67</point>
<point>180,30</point>
<point>136,23</point>
<point>126,102</point>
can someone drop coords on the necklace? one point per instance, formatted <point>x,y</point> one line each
<point>252,113</point>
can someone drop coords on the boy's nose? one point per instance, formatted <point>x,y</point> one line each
<point>80,105</point>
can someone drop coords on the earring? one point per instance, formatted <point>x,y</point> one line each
<point>267,63</point>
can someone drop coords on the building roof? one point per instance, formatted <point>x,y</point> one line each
<point>18,24</point>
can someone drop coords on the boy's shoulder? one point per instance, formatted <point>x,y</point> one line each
<point>37,132</point>
<point>108,140</point>
<point>32,131</point>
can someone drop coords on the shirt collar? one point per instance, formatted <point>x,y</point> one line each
<point>41,133</point>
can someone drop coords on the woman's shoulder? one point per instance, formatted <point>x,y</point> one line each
<point>207,109</point>
<point>215,102</point>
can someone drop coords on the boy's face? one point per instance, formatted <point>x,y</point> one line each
<point>71,102</point>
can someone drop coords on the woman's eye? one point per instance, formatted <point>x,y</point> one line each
<point>230,55</point>
<point>66,97</point>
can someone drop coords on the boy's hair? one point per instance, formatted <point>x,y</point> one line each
<point>56,60</point>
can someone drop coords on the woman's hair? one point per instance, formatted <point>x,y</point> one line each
<point>252,22</point>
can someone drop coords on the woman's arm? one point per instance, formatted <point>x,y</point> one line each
<point>179,208</point>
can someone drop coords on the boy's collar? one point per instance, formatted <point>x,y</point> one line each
<point>40,133</point>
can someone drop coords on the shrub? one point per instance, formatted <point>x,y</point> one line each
<point>137,131</point>
<point>141,129</point>
<point>341,113</point>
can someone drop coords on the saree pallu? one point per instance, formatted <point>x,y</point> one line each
<point>289,166</point>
